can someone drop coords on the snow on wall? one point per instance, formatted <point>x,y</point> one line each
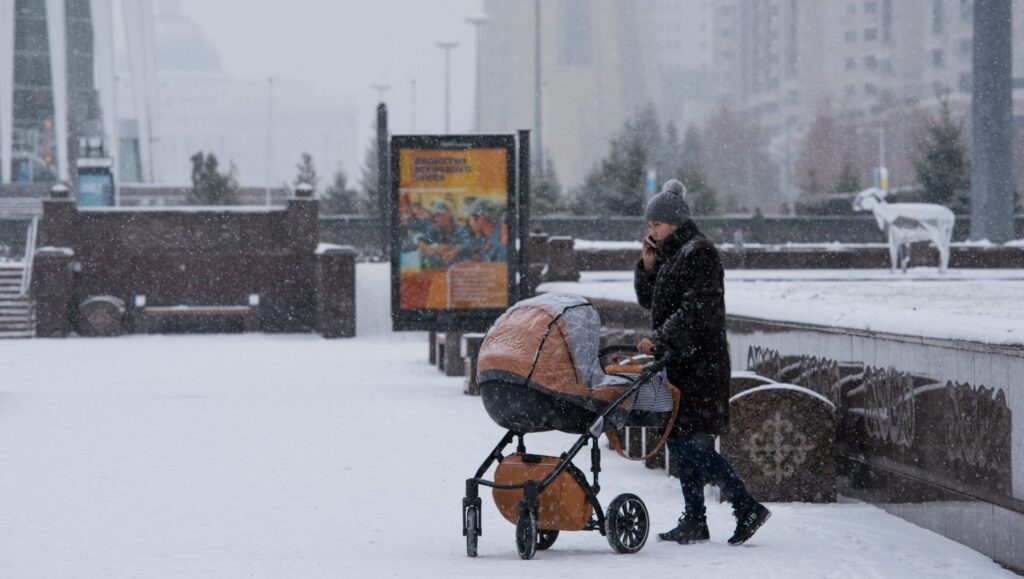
<point>984,306</point>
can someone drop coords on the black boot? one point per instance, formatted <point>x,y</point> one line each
<point>749,519</point>
<point>689,530</point>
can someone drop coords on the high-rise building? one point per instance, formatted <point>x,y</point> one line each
<point>601,61</point>
<point>677,36</point>
<point>593,75</point>
<point>781,61</point>
<point>774,61</point>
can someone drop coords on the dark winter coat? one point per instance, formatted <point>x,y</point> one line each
<point>685,292</point>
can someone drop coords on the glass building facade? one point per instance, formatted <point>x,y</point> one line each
<point>34,152</point>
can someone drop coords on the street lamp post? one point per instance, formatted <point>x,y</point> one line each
<point>381,89</point>
<point>447,47</point>
<point>412,99</point>
<point>270,137</point>
<point>538,94</point>
<point>477,21</point>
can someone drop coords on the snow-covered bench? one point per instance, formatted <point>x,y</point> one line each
<point>146,314</point>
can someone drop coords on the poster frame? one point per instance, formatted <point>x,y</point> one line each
<point>432,319</point>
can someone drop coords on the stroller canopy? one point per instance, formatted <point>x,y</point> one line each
<point>539,365</point>
<point>538,369</point>
<point>549,342</point>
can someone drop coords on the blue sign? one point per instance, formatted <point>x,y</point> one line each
<point>95,190</point>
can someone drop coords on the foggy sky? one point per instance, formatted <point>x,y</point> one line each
<point>343,47</point>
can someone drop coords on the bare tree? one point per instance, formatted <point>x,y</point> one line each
<point>737,161</point>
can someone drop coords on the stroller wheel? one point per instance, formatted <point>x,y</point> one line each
<point>545,539</point>
<point>472,530</point>
<point>627,524</point>
<point>526,534</point>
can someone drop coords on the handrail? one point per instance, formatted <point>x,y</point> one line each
<point>30,252</point>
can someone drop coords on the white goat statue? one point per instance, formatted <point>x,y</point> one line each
<point>907,223</point>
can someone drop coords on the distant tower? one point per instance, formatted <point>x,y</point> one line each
<point>48,104</point>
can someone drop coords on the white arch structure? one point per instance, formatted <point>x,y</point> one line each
<point>907,223</point>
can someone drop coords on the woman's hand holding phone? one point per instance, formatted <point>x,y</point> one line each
<point>648,246</point>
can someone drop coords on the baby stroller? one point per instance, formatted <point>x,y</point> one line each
<point>539,369</point>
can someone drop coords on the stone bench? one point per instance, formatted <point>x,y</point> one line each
<point>446,353</point>
<point>561,260</point>
<point>437,344</point>
<point>470,350</point>
<point>147,317</point>
<point>101,316</point>
<point>782,442</point>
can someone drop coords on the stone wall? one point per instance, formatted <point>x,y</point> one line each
<point>819,257</point>
<point>928,429</point>
<point>365,233</point>
<point>193,257</point>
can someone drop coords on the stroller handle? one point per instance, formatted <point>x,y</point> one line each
<point>597,427</point>
<point>653,368</point>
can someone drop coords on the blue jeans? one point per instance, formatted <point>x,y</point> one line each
<point>693,459</point>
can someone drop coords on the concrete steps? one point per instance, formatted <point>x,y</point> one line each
<point>16,315</point>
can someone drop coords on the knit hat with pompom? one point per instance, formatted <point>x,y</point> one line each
<point>670,205</point>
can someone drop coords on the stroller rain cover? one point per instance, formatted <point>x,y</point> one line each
<point>549,344</point>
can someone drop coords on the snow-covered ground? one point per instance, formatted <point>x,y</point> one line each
<point>295,456</point>
<point>967,304</point>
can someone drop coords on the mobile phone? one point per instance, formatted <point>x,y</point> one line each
<point>651,243</point>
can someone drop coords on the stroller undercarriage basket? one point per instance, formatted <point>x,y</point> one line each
<point>563,506</point>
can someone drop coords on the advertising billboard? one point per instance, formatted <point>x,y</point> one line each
<point>452,230</point>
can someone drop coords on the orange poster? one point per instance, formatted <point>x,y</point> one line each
<point>453,228</point>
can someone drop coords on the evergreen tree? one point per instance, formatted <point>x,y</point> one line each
<point>369,191</point>
<point>307,172</point>
<point>701,197</point>
<point>692,148</point>
<point>812,186</point>
<point>545,191</point>
<point>209,185</point>
<point>820,159</point>
<point>849,181</point>
<point>944,169</point>
<point>737,160</point>
<point>338,198</point>
<point>673,145</point>
<point>616,186</point>
<point>646,127</point>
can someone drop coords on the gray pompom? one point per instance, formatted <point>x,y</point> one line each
<point>675,187</point>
